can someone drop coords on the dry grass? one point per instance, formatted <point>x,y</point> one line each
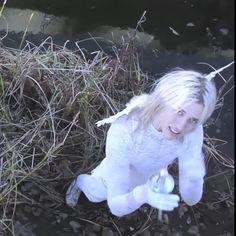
<point>50,99</point>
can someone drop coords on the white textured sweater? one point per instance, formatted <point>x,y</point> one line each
<point>133,155</point>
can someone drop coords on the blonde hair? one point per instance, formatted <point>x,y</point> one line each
<point>177,88</point>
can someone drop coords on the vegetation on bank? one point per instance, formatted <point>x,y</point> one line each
<point>50,99</point>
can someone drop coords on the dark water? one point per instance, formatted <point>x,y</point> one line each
<point>175,34</point>
<point>197,23</point>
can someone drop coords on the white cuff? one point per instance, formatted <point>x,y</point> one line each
<point>140,194</point>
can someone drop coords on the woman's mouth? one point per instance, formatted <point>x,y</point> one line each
<point>175,132</point>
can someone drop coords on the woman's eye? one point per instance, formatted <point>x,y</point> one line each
<point>194,121</point>
<point>180,112</point>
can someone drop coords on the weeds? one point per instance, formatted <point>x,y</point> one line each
<point>50,100</point>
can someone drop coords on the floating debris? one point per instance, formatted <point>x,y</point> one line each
<point>190,24</point>
<point>173,31</point>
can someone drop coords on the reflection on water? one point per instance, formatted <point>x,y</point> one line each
<point>24,20</point>
<point>40,25</point>
<point>33,21</point>
<point>17,20</point>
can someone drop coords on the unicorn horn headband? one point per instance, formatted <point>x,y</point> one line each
<point>213,73</point>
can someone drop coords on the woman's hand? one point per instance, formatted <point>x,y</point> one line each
<point>163,201</point>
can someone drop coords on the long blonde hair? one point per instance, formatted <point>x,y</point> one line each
<point>177,88</point>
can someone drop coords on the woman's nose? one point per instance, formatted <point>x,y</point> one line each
<point>182,124</point>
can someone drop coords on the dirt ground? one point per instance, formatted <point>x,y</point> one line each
<point>43,212</point>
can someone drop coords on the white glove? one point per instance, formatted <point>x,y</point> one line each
<point>161,200</point>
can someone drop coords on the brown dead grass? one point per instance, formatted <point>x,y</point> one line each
<point>50,100</point>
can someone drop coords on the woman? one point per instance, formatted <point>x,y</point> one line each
<point>146,137</point>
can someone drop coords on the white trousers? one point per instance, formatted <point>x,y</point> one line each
<point>92,186</point>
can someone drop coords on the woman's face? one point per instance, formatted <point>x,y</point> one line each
<point>175,123</point>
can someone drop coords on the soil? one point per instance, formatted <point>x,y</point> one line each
<point>43,211</point>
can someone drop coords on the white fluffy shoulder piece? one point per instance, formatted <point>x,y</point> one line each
<point>135,102</point>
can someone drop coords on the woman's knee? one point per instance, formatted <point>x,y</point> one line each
<point>93,187</point>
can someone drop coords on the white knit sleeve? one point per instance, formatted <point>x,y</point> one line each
<point>192,168</point>
<point>118,146</point>
<point>116,170</point>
